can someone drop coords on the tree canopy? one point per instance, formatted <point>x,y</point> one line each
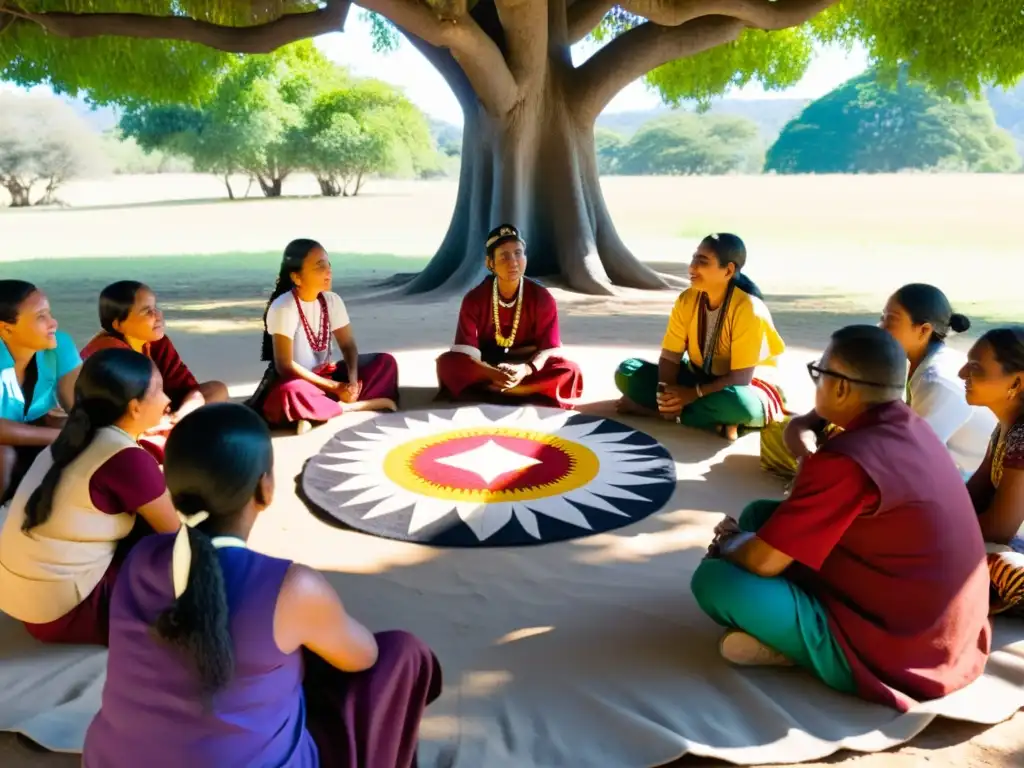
<point>117,50</point>
<point>43,144</point>
<point>270,115</point>
<point>866,126</point>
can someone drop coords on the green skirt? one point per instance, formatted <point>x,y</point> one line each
<point>751,405</point>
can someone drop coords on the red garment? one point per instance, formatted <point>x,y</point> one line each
<point>559,382</point>
<point>371,718</point>
<point>290,400</point>
<point>884,534</point>
<point>179,382</point>
<point>178,379</point>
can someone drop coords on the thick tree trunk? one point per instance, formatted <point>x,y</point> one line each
<point>21,194</point>
<point>330,186</point>
<point>537,170</point>
<point>227,184</point>
<point>271,187</point>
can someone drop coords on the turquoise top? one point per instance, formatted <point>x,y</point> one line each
<point>52,364</point>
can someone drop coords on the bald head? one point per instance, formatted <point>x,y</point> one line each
<point>871,356</point>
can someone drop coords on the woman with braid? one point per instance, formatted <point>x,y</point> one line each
<point>303,386</point>
<point>75,514</point>
<point>221,656</point>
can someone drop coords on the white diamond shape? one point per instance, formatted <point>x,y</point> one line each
<point>489,461</point>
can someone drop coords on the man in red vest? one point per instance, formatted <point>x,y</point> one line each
<point>872,573</point>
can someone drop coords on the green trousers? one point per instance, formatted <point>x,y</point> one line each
<point>774,610</point>
<point>739,406</point>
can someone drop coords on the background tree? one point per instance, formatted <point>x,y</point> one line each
<point>251,121</point>
<point>44,143</point>
<point>608,145</point>
<point>528,144</point>
<point>366,127</point>
<point>870,125</point>
<point>686,144</point>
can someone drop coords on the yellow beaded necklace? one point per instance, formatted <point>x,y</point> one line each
<point>502,341</point>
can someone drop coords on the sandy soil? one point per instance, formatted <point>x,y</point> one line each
<point>224,347</point>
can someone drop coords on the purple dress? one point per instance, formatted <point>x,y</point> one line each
<point>278,711</point>
<point>152,712</point>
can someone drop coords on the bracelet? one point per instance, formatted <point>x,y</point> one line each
<point>699,393</point>
<point>532,366</point>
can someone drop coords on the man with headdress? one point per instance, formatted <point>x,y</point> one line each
<point>507,344</point>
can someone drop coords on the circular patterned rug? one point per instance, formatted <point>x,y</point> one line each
<point>488,476</point>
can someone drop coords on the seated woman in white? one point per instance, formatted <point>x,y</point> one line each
<point>920,318</point>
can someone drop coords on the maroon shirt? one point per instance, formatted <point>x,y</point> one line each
<point>884,534</point>
<point>126,481</point>
<point>178,379</point>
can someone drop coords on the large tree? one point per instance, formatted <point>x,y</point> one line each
<point>528,153</point>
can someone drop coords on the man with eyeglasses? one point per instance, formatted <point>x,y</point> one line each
<point>872,573</point>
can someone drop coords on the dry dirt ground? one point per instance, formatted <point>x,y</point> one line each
<point>826,251</point>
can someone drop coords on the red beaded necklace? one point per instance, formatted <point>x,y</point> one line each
<point>316,343</point>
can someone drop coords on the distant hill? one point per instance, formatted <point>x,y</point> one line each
<point>770,115</point>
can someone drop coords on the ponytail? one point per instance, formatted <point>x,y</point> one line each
<point>108,382</point>
<point>291,261</point>
<point>74,438</point>
<point>198,622</point>
<point>747,285</point>
<point>730,249</point>
<point>215,461</point>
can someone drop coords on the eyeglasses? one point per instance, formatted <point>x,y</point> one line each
<point>816,372</point>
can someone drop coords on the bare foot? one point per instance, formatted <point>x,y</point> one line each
<point>730,432</point>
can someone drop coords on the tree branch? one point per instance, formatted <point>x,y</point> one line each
<point>526,37</point>
<point>639,50</point>
<point>477,54</point>
<point>585,15</point>
<point>697,26</point>
<point>762,14</point>
<point>262,38</point>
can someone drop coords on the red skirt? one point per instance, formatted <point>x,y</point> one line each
<point>287,401</point>
<point>559,383</point>
<point>371,719</point>
<point>88,623</point>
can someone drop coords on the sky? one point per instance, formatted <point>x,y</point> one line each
<point>407,69</point>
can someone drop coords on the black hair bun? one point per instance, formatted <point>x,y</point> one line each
<point>959,323</point>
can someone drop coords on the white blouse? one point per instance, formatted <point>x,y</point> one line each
<point>283,320</point>
<point>937,396</point>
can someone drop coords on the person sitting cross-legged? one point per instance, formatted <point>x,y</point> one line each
<point>872,574</point>
<point>508,348</point>
<point>719,352</point>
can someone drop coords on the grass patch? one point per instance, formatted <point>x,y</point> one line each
<point>225,289</point>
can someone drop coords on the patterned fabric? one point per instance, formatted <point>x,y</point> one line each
<point>1006,563</point>
<point>1006,576</point>
<point>1007,451</point>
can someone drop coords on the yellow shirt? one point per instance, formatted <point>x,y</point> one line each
<point>748,338</point>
